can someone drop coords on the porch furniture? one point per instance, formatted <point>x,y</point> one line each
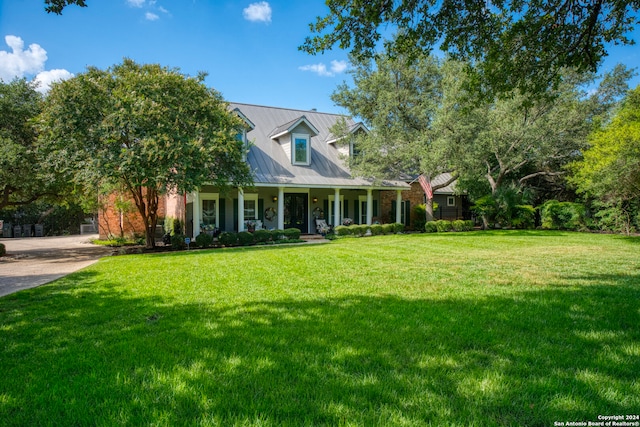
<point>322,227</point>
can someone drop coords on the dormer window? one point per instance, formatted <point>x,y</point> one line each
<point>301,152</point>
<point>295,138</point>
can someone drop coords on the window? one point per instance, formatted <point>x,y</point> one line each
<point>301,152</point>
<point>209,218</point>
<point>451,201</point>
<point>250,207</point>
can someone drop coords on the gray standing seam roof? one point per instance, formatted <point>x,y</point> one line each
<point>270,162</point>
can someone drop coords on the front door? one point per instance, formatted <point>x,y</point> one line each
<point>295,211</point>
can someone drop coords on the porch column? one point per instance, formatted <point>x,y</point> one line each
<point>398,206</point>
<point>369,206</point>
<point>280,208</point>
<point>336,207</point>
<point>240,209</point>
<point>197,211</point>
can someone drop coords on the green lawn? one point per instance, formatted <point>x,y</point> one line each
<point>483,328</point>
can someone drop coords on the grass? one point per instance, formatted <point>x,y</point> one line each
<point>470,329</point>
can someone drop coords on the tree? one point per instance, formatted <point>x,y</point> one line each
<point>513,140</point>
<point>56,6</point>
<point>25,172</point>
<point>511,44</point>
<point>145,128</point>
<point>397,100</point>
<point>610,168</point>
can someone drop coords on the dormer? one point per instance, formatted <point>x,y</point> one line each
<point>345,143</point>
<point>242,133</point>
<point>295,138</point>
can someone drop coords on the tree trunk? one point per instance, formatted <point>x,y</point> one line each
<point>429,210</point>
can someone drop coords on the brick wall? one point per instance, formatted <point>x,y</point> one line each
<point>125,221</point>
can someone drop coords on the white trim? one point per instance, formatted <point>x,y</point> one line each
<point>207,196</point>
<point>451,201</point>
<point>307,138</point>
<point>251,197</point>
<point>339,209</point>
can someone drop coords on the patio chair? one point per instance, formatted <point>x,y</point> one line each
<point>322,227</point>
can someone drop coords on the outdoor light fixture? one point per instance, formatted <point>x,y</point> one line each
<point>315,200</point>
<point>275,198</point>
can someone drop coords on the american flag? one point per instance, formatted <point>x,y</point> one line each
<point>426,186</point>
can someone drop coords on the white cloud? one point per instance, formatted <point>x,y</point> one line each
<point>320,69</point>
<point>257,12</point>
<point>46,78</point>
<point>338,67</point>
<point>149,16</point>
<point>135,3</point>
<point>20,62</point>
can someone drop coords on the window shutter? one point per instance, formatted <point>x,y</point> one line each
<point>407,213</point>
<point>260,215</point>
<point>356,212</point>
<point>223,215</point>
<point>235,214</point>
<point>325,206</point>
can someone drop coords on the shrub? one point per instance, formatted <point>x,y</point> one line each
<point>277,235</point>
<point>376,229</point>
<point>443,225</point>
<point>458,225</point>
<point>177,241</point>
<point>419,217</point>
<point>3,250</point>
<point>387,228</point>
<point>430,227</point>
<point>398,227</point>
<point>292,233</point>
<point>342,230</point>
<point>468,225</point>
<point>228,238</point>
<point>524,216</point>
<point>562,215</point>
<point>245,238</point>
<point>204,240</point>
<point>262,236</point>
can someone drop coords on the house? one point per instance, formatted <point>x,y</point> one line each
<point>300,174</point>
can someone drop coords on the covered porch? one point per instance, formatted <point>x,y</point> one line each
<point>281,207</point>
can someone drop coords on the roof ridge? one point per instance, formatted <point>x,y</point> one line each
<point>287,109</point>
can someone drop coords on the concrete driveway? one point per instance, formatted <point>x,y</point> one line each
<point>34,261</point>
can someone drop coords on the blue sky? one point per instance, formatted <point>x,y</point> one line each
<point>248,48</point>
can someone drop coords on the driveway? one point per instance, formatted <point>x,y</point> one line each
<point>34,261</point>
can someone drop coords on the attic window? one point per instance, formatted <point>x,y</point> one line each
<point>301,153</point>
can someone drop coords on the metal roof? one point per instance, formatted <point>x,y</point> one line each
<point>272,166</point>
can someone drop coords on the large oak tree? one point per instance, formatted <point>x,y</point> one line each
<point>147,129</point>
<point>513,44</point>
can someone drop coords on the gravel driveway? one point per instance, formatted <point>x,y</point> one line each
<point>34,261</point>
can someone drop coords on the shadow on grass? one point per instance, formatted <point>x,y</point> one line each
<point>85,355</point>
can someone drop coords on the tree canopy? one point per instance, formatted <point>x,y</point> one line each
<point>146,129</point>
<point>26,174</point>
<point>56,6</point>
<point>610,168</point>
<point>511,44</point>
<point>424,120</point>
